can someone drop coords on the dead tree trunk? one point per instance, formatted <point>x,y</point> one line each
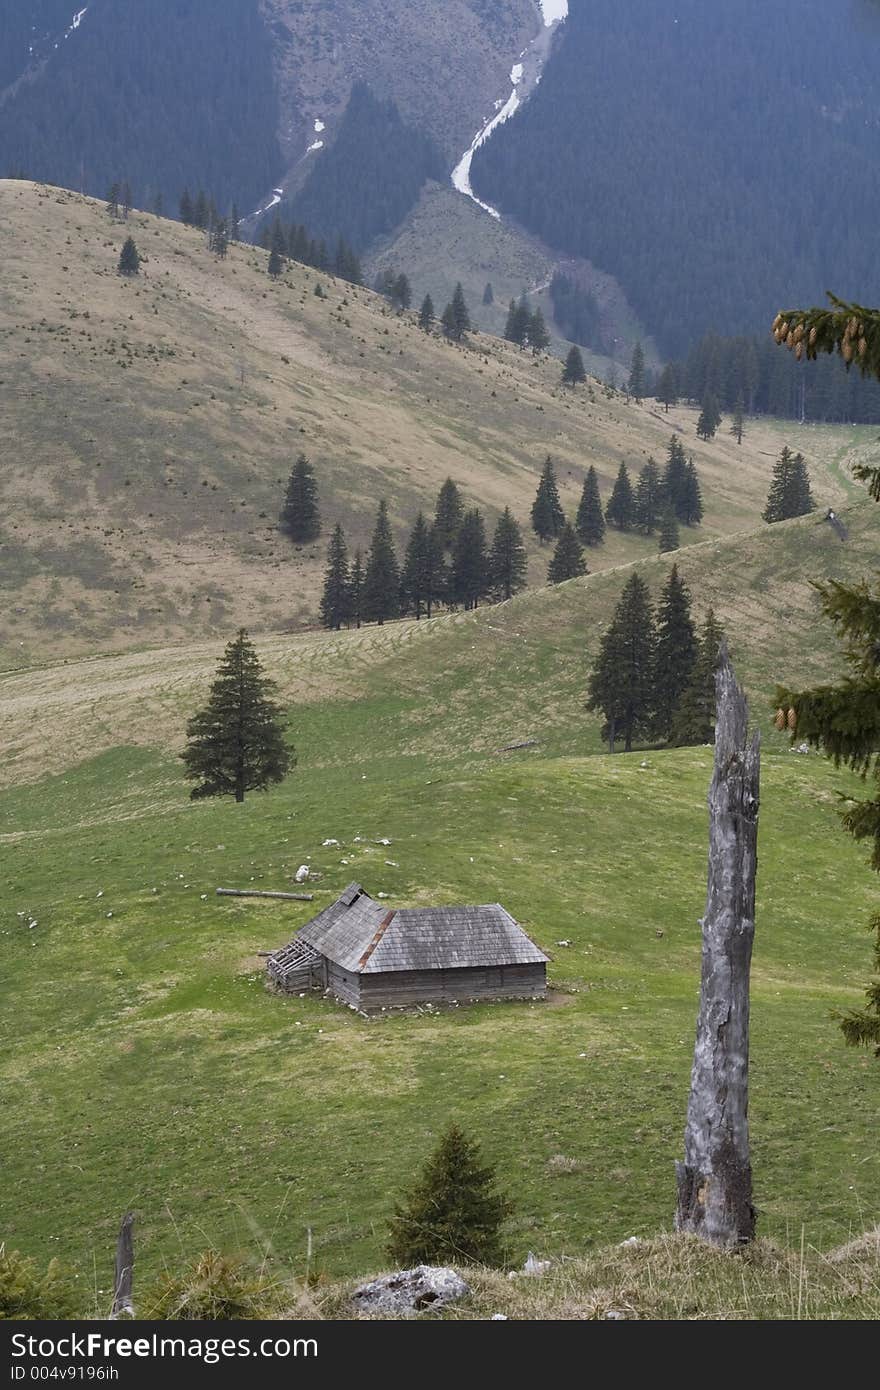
<point>122,1280</point>
<point>715,1179</point>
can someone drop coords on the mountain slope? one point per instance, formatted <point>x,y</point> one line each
<point>704,156</point>
<point>155,422</point>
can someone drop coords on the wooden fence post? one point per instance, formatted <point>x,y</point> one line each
<point>122,1279</point>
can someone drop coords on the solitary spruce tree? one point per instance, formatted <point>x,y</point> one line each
<point>568,558</point>
<point>710,418</point>
<point>667,387</point>
<point>636,383</point>
<point>507,558</point>
<point>621,509</point>
<point>590,520</point>
<point>382,574</point>
<point>300,516</point>
<point>573,372</point>
<point>621,684</point>
<point>236,743</point>
<point>129,258</point>
<point>790,493</point>
<point>336,600</point>
<point>454,1213</point>
<point>676,650</point>
<point>548,518</point>
<point>448,513</point>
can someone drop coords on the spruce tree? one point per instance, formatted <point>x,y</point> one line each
<point>622,680</point>
<point>539,338</point>
<point>675,475</point>
<point>456,319</point>
<point>276,265</point>
<point>694,719</point>
<point>568,560</point>
<point>448,513</point>
<point>356,589</point>
<point>649,498</point>
<point>621,509</point>
<point>691,504</point>
<point>590,520</point>
<point>636,383</point>
<point>401,292</point>
<point>417,576</point>
<point>573,373</point>
<point>488,294</point>
<point>507,558</point>
<point>278,250</point>
<point>129,258</point>
<point>667,387</point>
<point>710,418</point>
<point>236,743</point>
<point>300,516</point>
<point>548,518</point>
<point>113,200</point>
<point>186,208</point>
<point>470,579</point>
<point>447,322</point>
<point>676,651</point>
<point>669,538</point>
<point>790,493</point>
<point>220,238</point>
<point>382,574</point>
<point>336,600</point>
<point>126,199</point>
<point>738,427</point>
<point>454,1213</point>
<point>426,314</point>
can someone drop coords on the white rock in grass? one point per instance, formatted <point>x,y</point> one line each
<point>302,873</point>
<point>411,1291</point>
<point>327,844</point>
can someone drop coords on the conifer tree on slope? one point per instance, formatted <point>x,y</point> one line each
<point>710,418</point>
<point>421,582</point>
<point>667,387</point>
<point>507,558</point>
<point>621,683</point>
<point>568,560</point>
<point>539,338</point>
<point>590,520</point>
<point>426,314</point>
<point>738,425</point>
<point>453,1213</point>
<point>676,650</point>
<point>694,719</point>
<point>649,499</point>
<point>456,319</point>
<point>470,579</point>
<point>300,516</point>
<point>675,475</point>
<point>488,294</point>
<point>129,258</point>
<point>548,518</point>
<point>448,513</point>
<point>356,589</point>
<point>691,505</point>
<point>636,384</point>
<point>621,509</point>
<point>382,573</point>
<point>278,250</point>
<point>574,373</point>
<point>790,493</point>
<point>669,538</point>
<point>236,743</point>
<point>336,600</point>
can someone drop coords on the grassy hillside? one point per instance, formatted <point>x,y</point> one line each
<point>148,1067</point>
<point>151,426</point>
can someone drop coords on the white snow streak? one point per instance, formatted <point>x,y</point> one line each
<point>76,22</point>
<point>318,145</point>
<point>319,126</point>
<point>275,200</point>
<point>553,11</point>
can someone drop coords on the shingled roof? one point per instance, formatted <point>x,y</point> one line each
<point>366,937</point>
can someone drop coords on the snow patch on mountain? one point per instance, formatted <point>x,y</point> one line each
<point>553,11</point>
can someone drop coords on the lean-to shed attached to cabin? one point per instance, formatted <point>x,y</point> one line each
<point>372,957</point>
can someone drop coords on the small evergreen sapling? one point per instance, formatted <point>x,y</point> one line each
<point>236,743</point>
<point>454,1213</point>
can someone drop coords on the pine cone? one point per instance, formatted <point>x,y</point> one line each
<point>814,333</point>
<point>792,721</point>
<point>779,721</point>
<point>799,351</point>
<point>846,351</point>
<point>863,346</point>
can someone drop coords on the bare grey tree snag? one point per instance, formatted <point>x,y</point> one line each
<point>122,1280</point>
<point>715,1179</point>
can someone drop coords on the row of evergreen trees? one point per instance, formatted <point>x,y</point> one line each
<point>294,243</point>
<point>654,678</point>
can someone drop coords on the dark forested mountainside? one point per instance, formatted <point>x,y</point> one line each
<point>718,160</point>
<point>370,177</point>
<point>162,95</point>
<point>754,373</point>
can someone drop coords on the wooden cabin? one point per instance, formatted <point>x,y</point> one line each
<point>373,957</point>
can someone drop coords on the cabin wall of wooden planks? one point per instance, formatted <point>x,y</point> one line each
<point>402,987</point>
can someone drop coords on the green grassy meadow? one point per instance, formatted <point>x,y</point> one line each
<point>146,1066</point>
